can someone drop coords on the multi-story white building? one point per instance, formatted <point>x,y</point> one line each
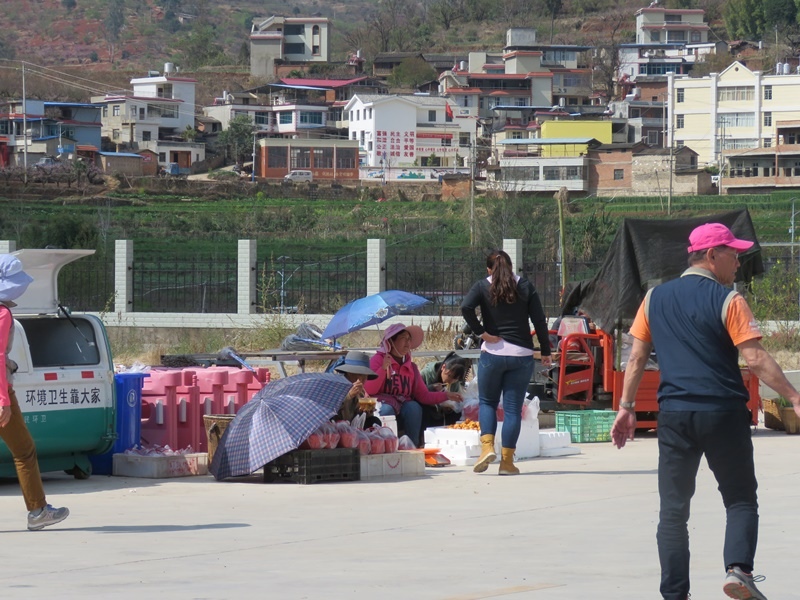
<point>737,109</point>
<point>405,131</point>
<point>278,40</point>
<point>156,116</point>
<point>667,41</point>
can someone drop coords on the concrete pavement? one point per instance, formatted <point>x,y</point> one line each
<point>569,528</point>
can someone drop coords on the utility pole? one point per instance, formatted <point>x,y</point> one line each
<point>473,166</point>
<point>472,200</point>
<point>671,170</point>
<point>24,128</point>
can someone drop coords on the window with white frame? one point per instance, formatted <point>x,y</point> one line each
<point>679,122</point>
<point>767,92</point>
<point>747,119</point>
<point>115,110</point>
<point>767,119</point>
<point>736,94</point>
<point>680,95</point>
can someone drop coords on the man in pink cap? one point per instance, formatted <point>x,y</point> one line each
<point>699,327</point>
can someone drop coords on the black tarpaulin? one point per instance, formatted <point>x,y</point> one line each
<point>645,253</point>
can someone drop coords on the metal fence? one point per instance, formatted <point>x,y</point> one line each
<point>445,279</point>
<point>324,284</point>
<point>312,286</point>
<point>435,274</point>
<point>200,285</point>
<point>88,284</point>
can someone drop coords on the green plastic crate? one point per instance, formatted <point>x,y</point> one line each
<point>586,425</point>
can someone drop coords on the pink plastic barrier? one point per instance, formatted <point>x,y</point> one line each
<point>175,400</point>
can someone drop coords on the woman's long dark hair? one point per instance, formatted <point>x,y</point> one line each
<point>504,286</point>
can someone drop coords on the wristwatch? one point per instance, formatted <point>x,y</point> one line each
<point>627,405</point>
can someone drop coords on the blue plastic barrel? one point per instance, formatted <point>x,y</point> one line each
<point>128,388</point>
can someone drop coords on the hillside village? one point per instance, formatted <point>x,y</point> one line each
<point>532,117</point>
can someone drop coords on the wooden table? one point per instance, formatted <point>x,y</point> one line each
<point>280,358</point>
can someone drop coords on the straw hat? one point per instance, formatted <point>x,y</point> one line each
<point>417,335</point>
<point>13,280</point>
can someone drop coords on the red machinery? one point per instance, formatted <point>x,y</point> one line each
<point>588,366</point>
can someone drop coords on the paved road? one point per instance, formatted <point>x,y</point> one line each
<point>570,528</point>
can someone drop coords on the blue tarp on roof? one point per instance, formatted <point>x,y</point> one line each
<point>128,154</point>
<point>75,104</point>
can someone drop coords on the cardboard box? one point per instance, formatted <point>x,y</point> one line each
<point>397,464</point>
<point>160,467</point>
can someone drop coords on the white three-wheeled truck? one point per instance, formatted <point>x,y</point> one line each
<point>65,380</point>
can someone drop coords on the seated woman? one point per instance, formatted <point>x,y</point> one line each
<point>355,367</point>
<point>448,375</point>
<point>399,386</point>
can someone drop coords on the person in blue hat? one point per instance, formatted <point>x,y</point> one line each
<point>13,431</point>
<point>355,367</point>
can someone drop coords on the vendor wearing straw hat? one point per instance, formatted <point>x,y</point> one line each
<point>399,386</point>
<point>13,431</point>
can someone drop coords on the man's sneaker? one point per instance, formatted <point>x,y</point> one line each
<point>48,516</point>
<point>741,585</point>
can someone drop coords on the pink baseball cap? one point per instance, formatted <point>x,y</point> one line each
<point>712,235</point>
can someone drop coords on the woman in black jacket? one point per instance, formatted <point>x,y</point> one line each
<point>507,302</point>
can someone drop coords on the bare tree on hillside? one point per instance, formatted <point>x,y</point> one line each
<point>113,24</point>
<point>447,12</point>
<point>606,60</point>
<point>554,8</point>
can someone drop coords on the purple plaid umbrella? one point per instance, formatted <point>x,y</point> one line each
<point>277,420</point>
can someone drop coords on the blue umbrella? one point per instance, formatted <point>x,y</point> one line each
<point>277,420</point>
<point>371,310</point>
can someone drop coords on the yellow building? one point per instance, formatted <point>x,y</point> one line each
<point>736,109</point>
<point>599,130</point>
<point>572,133</point>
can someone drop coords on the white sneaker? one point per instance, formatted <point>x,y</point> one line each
<point>741,585</point>
<point>48,516</point>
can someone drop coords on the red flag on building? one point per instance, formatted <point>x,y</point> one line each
<point>448,111</point>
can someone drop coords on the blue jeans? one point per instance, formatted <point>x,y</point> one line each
<point>409,419</point>
<point>725,439</point>
<point>509,376</point>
